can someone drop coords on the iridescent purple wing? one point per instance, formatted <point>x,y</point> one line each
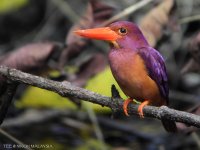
<point>156,68</point>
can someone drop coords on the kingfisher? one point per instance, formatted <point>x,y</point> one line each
<point>137,67</point>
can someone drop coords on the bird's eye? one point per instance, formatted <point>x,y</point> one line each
<point>122,31</point>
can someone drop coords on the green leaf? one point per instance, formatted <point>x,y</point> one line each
<point>10,5</point>
<point>102,82</point>
<point>36,97</point>
<point>91,144</point>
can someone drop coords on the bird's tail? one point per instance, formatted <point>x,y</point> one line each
<point>170,126</point>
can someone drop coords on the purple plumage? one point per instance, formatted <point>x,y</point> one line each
<point>139,69</point>
<point>153,61</point>
<point>156,68</point>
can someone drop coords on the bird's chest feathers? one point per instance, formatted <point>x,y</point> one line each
<point>128,67</point>
<point>130,72</point>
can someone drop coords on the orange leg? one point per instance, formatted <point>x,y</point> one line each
<point>125,105</point>
<point>141,106</point>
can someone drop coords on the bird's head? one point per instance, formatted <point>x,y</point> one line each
<point>121,34</point>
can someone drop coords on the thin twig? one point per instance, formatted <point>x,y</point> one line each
<point>95,123</point>
<point>196,138</point>
<point>67,89</point>
<point>189,19</point>
<point>66,10</point>
<point>127,11</point>
<point>12,138</point>
<point>184,97</point>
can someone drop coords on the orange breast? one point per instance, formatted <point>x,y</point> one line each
<point>130,72</point>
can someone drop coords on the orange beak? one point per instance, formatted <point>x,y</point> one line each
<point>99,34</point>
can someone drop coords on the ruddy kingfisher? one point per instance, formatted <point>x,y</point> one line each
<point>138,68</point>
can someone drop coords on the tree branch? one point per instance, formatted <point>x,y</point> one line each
<point>66,89</point>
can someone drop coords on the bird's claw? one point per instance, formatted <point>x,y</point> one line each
<point>140,111</point>
<point>125,106</point>
<point>140,108</point>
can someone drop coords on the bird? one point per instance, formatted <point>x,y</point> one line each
<point>138,68</point>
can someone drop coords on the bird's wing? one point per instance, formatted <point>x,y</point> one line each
<point>156,68</point>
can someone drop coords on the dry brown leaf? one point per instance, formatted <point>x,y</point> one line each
<point>190,66</point>
<point>29,58</point>
<point>152,24</point>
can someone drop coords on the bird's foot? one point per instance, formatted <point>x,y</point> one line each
<point>125,105</point>
<point>140,108</point>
